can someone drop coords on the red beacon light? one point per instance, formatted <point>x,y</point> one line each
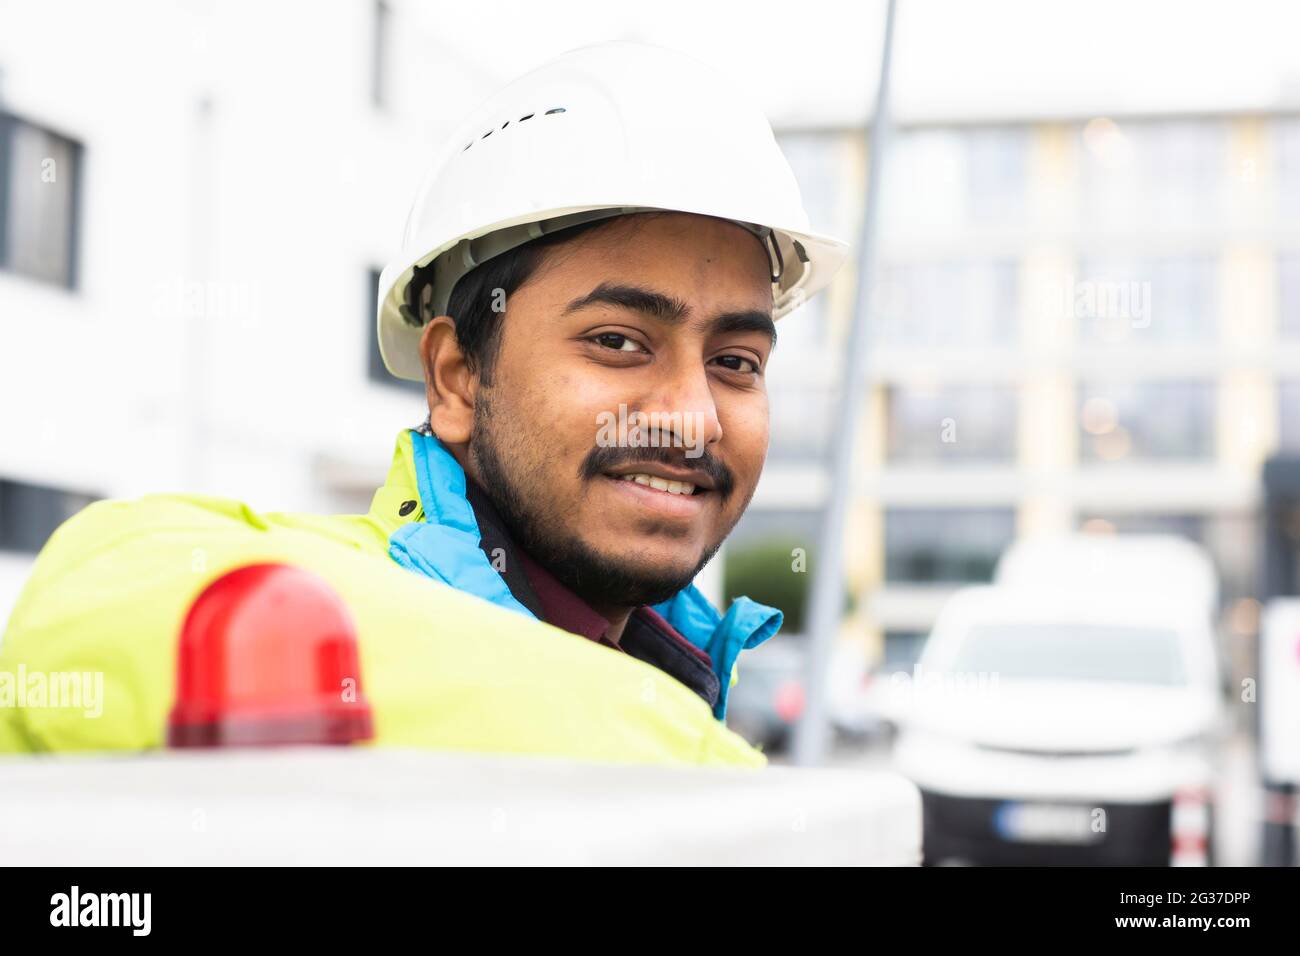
<point>268,656</point>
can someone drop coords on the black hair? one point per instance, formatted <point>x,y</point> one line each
<point>476,300</point>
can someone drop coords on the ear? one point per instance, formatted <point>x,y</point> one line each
<point>449,385</point>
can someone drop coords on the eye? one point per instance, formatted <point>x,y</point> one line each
<point>617,341</point>
<point>739,363</point>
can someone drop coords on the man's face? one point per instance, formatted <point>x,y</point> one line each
<point>661,321</point>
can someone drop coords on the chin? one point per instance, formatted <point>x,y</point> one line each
<point>651,563</point>
<point>640,580</point>
<point>659,583</point>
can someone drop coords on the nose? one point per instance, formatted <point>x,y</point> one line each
<point>681,402</point>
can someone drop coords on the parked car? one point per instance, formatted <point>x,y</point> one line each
<point>1069,713</point>
<point>770,696</point>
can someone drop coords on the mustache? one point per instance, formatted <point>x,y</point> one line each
<point>600,460</point>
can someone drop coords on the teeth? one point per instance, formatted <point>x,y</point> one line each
<point>662,484</point>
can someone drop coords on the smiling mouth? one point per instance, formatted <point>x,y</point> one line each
<point>680,488</point>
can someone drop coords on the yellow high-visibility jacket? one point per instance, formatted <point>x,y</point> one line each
<point>449,660</point>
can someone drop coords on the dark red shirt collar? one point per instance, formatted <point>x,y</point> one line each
<point>552,601</point>
<point>562,607</point>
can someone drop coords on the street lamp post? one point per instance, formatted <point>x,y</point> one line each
<point>812,733</point>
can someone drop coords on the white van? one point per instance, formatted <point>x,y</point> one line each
<point>1068,713</point>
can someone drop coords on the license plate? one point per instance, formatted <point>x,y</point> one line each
<point>1048,823</point>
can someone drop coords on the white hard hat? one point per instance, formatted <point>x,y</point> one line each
<point>597,132</point>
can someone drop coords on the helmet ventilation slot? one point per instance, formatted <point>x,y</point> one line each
<point>550,112</point>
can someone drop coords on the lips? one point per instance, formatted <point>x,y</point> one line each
<point>662,477</point>
<point>647,500</point>
<point>660,484</point>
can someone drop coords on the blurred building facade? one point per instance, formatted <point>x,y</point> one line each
<point>191,225</point>
<point>1080,322</point>
<point>1087,323</point>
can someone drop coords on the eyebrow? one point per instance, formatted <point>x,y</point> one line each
<point>672,311</point>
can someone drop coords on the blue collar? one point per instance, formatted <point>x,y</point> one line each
<point>445,546</point>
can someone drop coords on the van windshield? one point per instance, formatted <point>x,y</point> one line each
<point>1087,652</point>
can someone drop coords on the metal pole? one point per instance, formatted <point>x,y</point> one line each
<point>197,341</point>
<point>812,734</point>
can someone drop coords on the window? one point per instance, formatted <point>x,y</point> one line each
<point>1286,139</point>
<point>1288,295</point>
<point>942,179</point>
<point>820,165</point>
<point>948,304</point>
<point>975,423</point>
<point>1070,651</point>
<point>1188,526</point>
<point>903,650</point>
<point>759,525</point>
<point>923,183</point>
<point>375,362</point>
<point>938,546</point>
<point>1288,417</point>
<point>1137,302</point>
<point>802,417</point>
<point>1153,172</point>
<point>1157,421</point>
<point>997,168</point>
<point>30,513</point>
<point>39,172</point>
<point>802,398</point>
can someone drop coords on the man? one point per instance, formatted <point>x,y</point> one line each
<point>588,287</point>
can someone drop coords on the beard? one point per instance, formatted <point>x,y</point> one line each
<point>529,512</point>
